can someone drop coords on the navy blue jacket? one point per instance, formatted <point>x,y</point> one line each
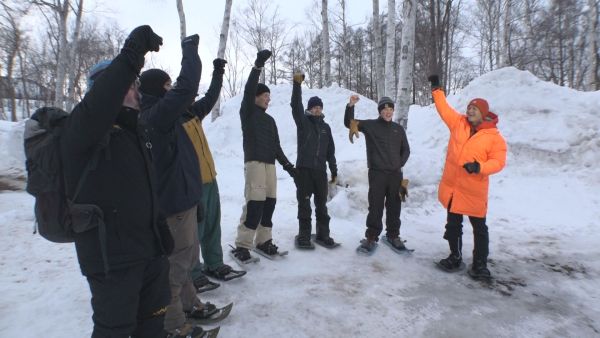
<point>315,142</point>
<point>175,160</point>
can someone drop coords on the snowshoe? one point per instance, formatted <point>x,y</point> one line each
<point>269,250</point>
<point>193,331</point>
<point>218,314</point>
<point>303,243</point>
<point>203,284</point>
<point>366,247</point>
<point>242,256</point>
<point>328,242</point>
<point>396,244</point>
<point>225,273</point>
<point>451,264</point>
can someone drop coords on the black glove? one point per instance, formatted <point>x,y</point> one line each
<point>472,167</point>
<point>262,57</point>
<point>290,169</point>
<point>435,81</point>
<point>166,239</point>
<point>143,40</point>
<point>193,40</point>
<point>219,65</point>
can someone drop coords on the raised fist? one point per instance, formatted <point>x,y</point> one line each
<point>192,39</point>
<point>434,80</point>
<point>142,40</point>
<point>262,57</point>
<point>353,99</point>
<point>219,65</point>
<point>298,77</point>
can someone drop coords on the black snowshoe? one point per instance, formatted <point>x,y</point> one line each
<point>216,314</point>
<point>326,242</point>
<point>452,263</point>
<point>269,250</point>
<point>203,284</point>
<point>366,247</point>
<point>242,256</point>
<point>303,243</point>
<point>479,271</point>
<point>396,244</point>
<point>193,331</point>
<point>225,272</point>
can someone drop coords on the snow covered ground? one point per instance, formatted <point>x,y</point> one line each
<point>543,218</point>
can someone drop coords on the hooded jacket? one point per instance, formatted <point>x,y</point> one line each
<point>387,145</point>
<point>177,167</point>
<point>261,138</point>
<point>468,192</point>
<point>314,139</point>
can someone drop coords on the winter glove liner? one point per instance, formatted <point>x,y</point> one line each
<point>262,57</point>
<point>472,167</point>
<point>353,130</point>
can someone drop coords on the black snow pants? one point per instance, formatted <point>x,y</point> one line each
<point>312,182</point>
<point>384,189</point>
<point>454,233</point>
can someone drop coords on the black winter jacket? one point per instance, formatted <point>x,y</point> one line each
<point>387,145</point>
<point>177,167</point>
<point>261,138</point>
<point>315,142</point>
<point>122,184</point>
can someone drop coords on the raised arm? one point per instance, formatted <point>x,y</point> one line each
<point>250,87</point>
<point>165,113</point>
<point>202,107</point>
<point>450,116</point>
<point>97,112</point>
<point>296,102</point>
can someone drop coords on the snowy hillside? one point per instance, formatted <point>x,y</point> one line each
<point>544,212</point>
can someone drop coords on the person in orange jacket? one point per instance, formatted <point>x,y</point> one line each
<point>476,150</point>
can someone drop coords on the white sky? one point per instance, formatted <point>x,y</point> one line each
<point>205,17</point>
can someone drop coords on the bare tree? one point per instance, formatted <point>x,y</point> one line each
<point>390,49</point>
<point>325,42</point>
<point>378,50</point>
<point>591,80</point>
<point>235,64</point>
<point>216,112</point>
<point>505,51</point>
<point>407,56</point>
<point>73,76</point>
<point>181,13</point>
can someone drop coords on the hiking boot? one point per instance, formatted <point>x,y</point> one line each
<point>268,247</point>
<point>397,243</point>
<point>479,270</point>
<point>224,272</point>
<point>304,242</point>
<point>203,284</point>
<point>202,312</point>
<point>368,244</point>
<point>452,263</point>
<point>188,330</point>
<point>242,254</point>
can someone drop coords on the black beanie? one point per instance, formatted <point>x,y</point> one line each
<point>385,102</point>
<point>262,88</point>
<point>314,102</point>
<point>152,82</point>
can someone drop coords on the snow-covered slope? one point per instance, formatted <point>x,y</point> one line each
<point>543,219</point>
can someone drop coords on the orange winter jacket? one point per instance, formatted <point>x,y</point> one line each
<point>468,192</point>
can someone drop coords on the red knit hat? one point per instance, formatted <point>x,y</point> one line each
<point>482,105</point>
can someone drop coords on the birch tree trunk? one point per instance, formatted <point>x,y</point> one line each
<point>591,82</point>
<point>390,49</point>
<point>407,57</point>
<point>505,50</point>
<point>181,13</point>
<point>63,57</point>
<point>216,112</point>
<point>325,43</point>
<point>379,78</point>
<point>73,50</point>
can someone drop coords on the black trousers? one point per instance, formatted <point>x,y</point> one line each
<point>384,189</point>
<point>131,302</point>
<point>454,233</point>
<point>311,182</point>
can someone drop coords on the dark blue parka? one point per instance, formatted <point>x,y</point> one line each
<point>177,167</point>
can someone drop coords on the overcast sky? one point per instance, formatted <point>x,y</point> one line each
<point>204,17</point>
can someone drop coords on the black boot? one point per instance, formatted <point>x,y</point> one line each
<point>451,264</point>
<point>479,270</point>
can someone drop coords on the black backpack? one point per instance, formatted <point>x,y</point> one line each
<point>58,218</point>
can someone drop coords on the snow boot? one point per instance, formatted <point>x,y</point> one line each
<point>397,243</point>
<point>451,264</point>
<point>189,330</point>
<point>224,273</point>
<point>268,248</point>
<point>203,284</point>
<point>479,270</point>
<point>304,242</point>
<point>367,246</point>
<point>203,312</point>
<point>242,254</point>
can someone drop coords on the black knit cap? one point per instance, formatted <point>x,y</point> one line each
<point>314,102</point>
<point>262,88</point>
<point>385,102</point>
<point>152,82</point>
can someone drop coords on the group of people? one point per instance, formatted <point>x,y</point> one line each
<point>156,184</point>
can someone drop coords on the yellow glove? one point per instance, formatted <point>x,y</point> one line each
<point>353,130</point>
<point>403,190</point>
<point>298,77</point>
